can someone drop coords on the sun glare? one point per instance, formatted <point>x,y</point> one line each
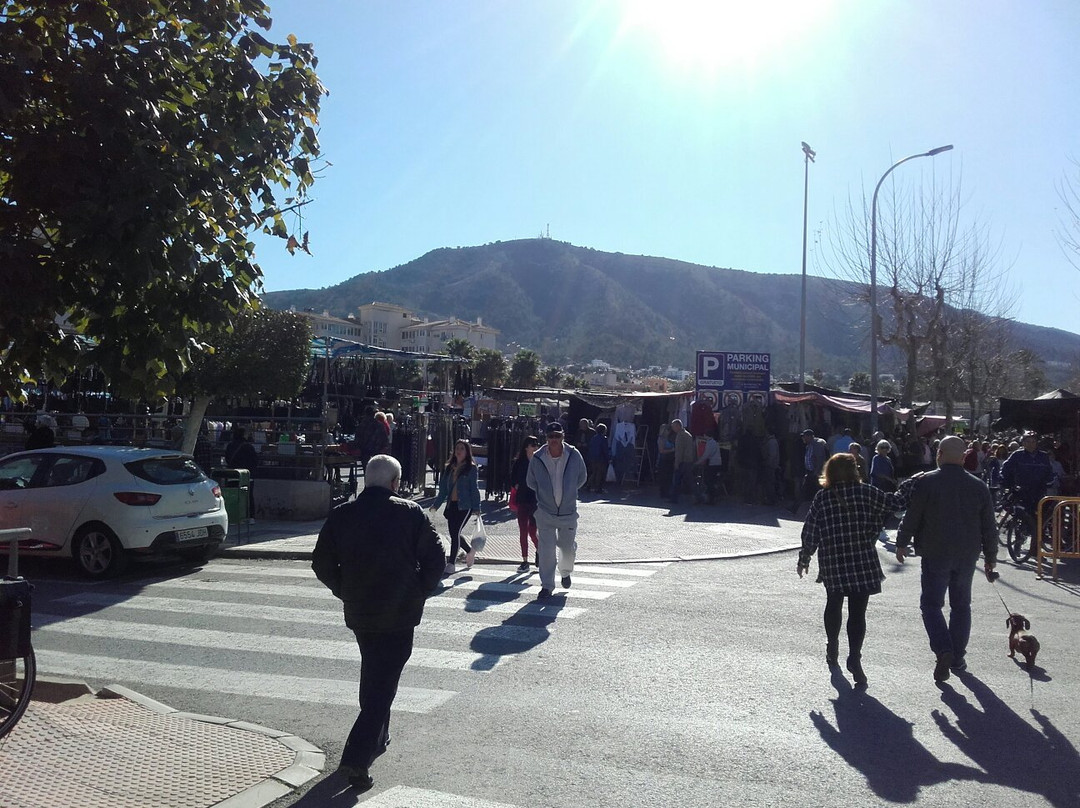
<point>709,35</point>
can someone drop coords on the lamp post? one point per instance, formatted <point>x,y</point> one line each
<point>873,282</point>
<point>809,158</point>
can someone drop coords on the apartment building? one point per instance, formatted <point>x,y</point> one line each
<point>324,325</point>
<point>431,337</point>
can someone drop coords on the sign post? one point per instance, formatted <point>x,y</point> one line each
<point>727,379</point>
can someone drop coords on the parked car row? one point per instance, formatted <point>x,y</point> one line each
<point>99,505</point>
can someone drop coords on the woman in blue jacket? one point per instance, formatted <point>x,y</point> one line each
<point>459,488</point>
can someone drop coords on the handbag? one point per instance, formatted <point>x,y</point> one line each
<point>513,500</point>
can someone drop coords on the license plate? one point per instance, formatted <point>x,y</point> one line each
<point>192,533</point>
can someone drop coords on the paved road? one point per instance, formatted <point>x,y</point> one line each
<point>695,684</point>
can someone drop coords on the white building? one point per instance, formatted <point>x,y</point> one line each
<point>381,324</point>
<point>431,337</point>
<point>389,326</point>
<point>324,325</point>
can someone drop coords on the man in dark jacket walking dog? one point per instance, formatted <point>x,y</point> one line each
<point>381,556</point>
<point>950,516</point>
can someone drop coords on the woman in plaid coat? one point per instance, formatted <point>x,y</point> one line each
<point>842,526</point>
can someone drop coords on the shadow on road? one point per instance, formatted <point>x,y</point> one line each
<point>882,746</point>
<point>1010,750</point>
<point>333,791</point>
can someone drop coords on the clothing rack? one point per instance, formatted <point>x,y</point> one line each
<point>505,435</point>
<point>407,444</point>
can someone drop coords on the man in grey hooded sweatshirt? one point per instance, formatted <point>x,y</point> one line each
<point>556,472</point>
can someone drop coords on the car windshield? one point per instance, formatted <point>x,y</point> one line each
<point>167,470</point>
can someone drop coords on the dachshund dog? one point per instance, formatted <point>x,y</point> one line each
<point>1020,640</point>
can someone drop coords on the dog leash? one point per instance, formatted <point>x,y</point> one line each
<point>992,578</point>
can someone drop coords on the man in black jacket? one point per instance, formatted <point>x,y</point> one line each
<point>381,556</point>
<point>950,517</point>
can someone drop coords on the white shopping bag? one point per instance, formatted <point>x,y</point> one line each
<point>479,536</point>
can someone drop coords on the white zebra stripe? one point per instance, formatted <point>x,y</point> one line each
<point>406,797</point>
<point>221,680</point>
<point>521,577</point>
<point>525,590</point>
<point>278,591</point>
<point>287,614</point>
<point>253,643</point>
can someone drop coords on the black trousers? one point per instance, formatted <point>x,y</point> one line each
<point>383,655</point>
<point>856,620</point>
<point>455,518</point>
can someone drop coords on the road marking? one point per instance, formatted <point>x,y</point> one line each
<point>253,643</point>
<point>406,797</point>
<point>305,572</point>
<point>458,584</point>
<point>474,605</point>
<point>616,569</point>
<point>314,616</point>
<point>321,593</point>
<point>223,680</point>
<point>521,577</point>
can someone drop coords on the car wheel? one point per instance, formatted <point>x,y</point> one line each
<point>97,552</point>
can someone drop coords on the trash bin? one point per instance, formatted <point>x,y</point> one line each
<point>235,486</point>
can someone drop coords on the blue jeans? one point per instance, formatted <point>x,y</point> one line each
<point>954,577</point>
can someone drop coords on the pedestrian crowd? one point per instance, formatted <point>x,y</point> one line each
<point>380,554</point>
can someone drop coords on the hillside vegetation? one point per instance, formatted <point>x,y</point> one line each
<point>573,304</point>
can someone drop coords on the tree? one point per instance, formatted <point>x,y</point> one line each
<point>938,277</point>
<point>552,376</point>
<point>859,382</point>
<point>460,348</point>
<point>143,143</point>
<point>1069,234</point>
<point>525,369</point>
<point>266,354</point>
<point>489,367</point>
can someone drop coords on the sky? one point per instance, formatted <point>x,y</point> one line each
<point>672,128</point>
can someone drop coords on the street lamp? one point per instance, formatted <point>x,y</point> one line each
<point>873,281</point>
<point>810,154</point>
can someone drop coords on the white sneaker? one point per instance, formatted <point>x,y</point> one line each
<point>470,557</point>
<point>450,569</point>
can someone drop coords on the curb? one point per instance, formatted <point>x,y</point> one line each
<point>308,760</point>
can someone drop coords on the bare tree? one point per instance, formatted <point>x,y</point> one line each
<point>1068,235</point>
<point>939,278</point>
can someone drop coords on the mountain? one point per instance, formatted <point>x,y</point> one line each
<point>574,304</point>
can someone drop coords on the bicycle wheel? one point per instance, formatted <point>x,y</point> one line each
<point>16,686</point>
<point>1020,534</point>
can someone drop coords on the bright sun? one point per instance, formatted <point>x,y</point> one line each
<point>708,35</point>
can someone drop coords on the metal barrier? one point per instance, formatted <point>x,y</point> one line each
<point>1064,521</point>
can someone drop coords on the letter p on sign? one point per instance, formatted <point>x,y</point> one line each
<point>709,365</point>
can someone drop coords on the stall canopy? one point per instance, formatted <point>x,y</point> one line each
<point>603,401</point>
<point>1050,412</point>
<point>836,402</point>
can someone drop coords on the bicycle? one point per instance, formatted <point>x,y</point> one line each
<point>1018,524</point>
<point>18,667</point>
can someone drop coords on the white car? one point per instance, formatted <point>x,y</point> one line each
<point>97,504</point>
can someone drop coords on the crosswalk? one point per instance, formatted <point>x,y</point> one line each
<point>273,629</point>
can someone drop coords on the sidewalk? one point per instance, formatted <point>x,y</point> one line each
<point>116,748</point>
<point>622,527</point>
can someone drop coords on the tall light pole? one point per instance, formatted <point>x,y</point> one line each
<point>809,158</point>
<point>873,282</point>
